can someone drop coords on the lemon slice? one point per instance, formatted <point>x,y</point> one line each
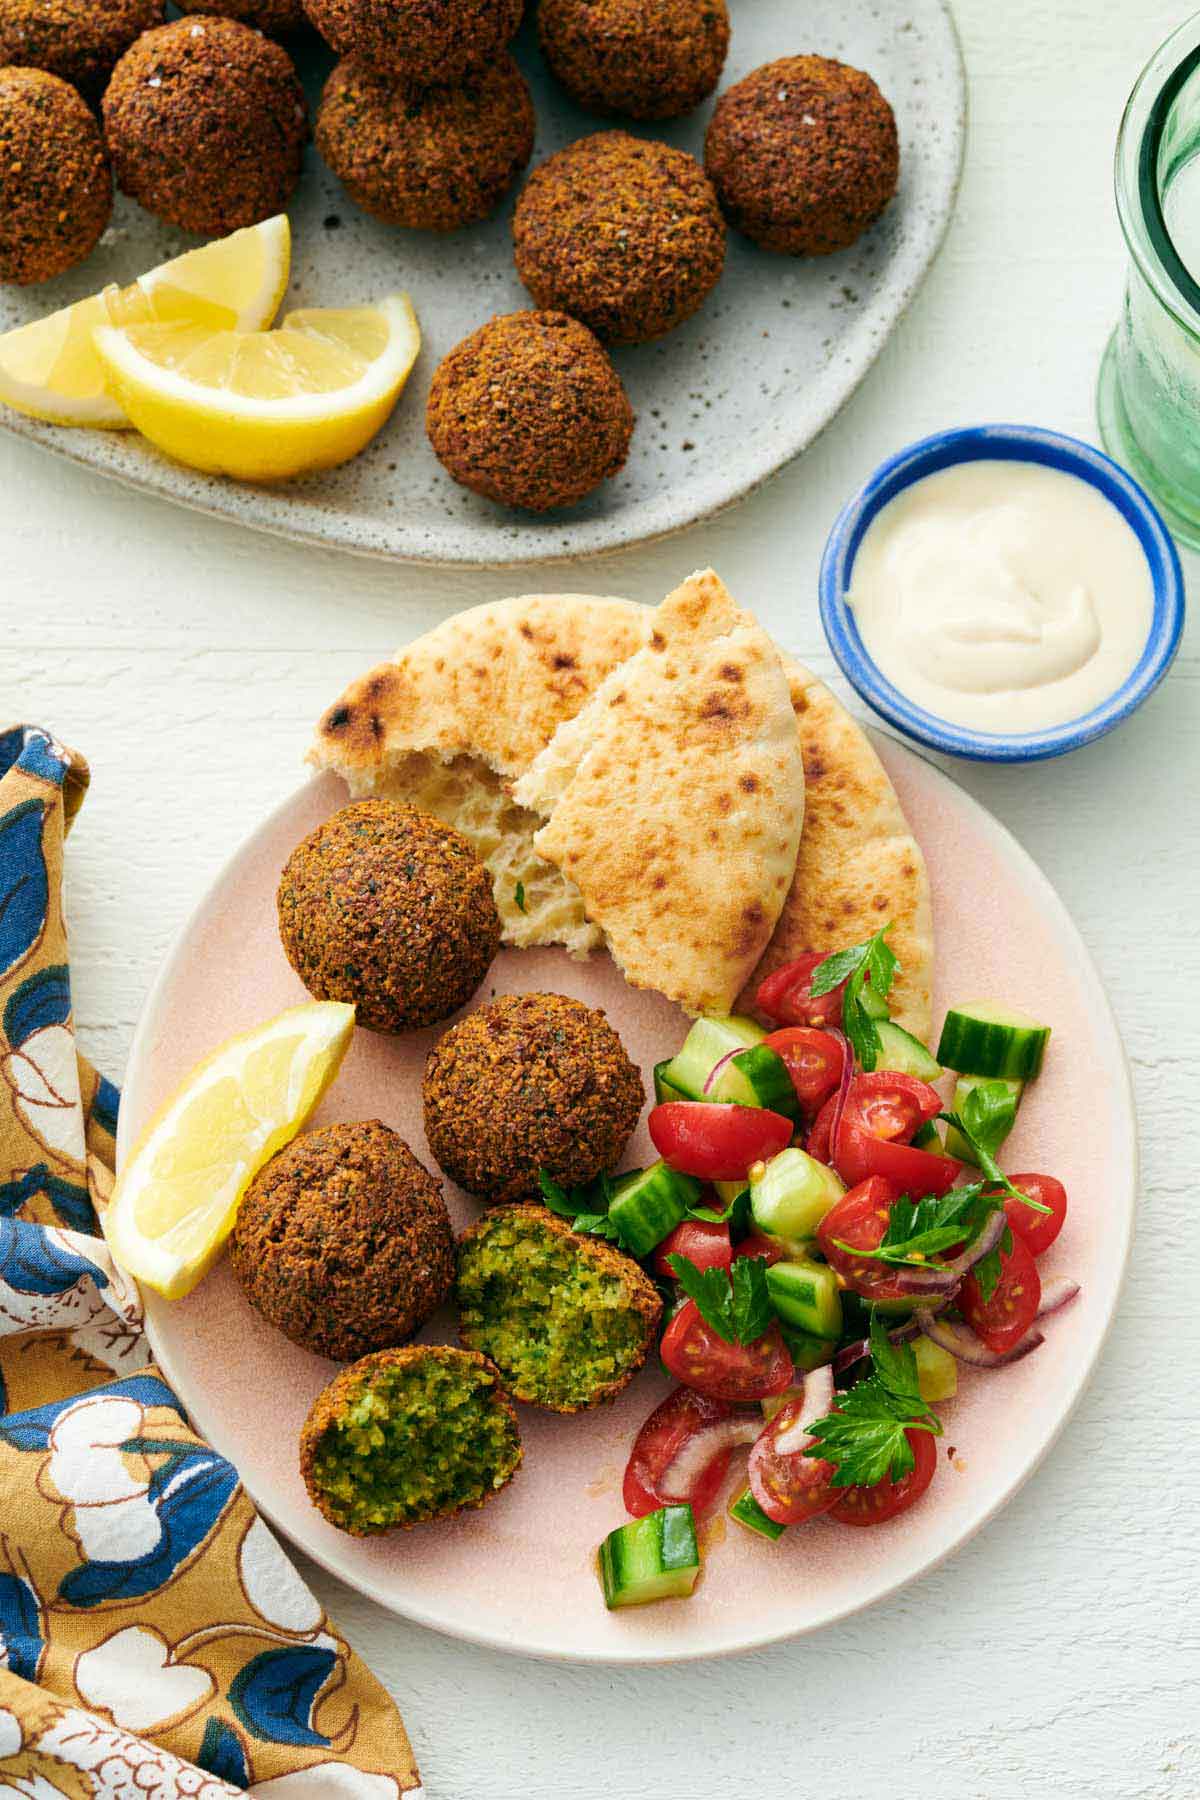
<point>265,405</point>
<point>50,369</point>
<point>177,1197</point>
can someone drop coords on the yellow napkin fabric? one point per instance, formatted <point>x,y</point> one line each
<point>154,1638</point>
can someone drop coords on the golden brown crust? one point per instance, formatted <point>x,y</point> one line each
<point>418,42</point>
<point>278,18</point>
<point>55,186</point>
<point>651,59</point>
<point>80,40</point>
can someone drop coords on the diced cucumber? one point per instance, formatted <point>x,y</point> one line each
<point>873,1004</point>
<point>907,1055</point>
<point>649,1204</point>
<point>985,1038</point>
<point>702,1049</point>
<point>756,1077</point>
<point>663,1089</point>
<point>937,1371</point>
<point>652,1558</point>
<point>806,1351</point>
<point>806,1294</point>
<point>792,1196</point>
<point>746,1510</point>
<point>1006,1095</point>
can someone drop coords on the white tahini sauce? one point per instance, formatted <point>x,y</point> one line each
<point>1005,596</point>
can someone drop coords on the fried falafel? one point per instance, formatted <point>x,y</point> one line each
<point>803,154</point>
<point>567,1319</point>
<point>418,42</point>
<point>408,1435</point>
<point>387,907</point>
<point>651,59</point>
<point>55,185</point>
<point>529,1083</point>
<point>206,123</point>
<point>278,18</point>
<point>79,40</point>
<point>432,158</point>
<point>529,411</point>
<point>622,233</point>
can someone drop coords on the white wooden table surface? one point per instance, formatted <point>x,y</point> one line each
<point>1059,1652</point>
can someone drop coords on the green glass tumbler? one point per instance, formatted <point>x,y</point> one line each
<point>1149,392</point>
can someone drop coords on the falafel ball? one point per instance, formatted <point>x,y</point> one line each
<point>529,411</point>
<point>803,154</point>
<point>55,185</point>
<point>567,1319</point>
<point>434,158</point>
<point>388,908</point>
<point>278,18</point>
<point>418,42</point>
<point>408,1435</point>
<point>206,122</point>
<point>529,1083</point>
<point>652,59</point>
<point>77,39</point>
<point>622,233</point>
<point>343,1241</point>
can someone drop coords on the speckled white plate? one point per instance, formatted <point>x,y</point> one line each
<point>519,1574</point>
<point>721,403</point>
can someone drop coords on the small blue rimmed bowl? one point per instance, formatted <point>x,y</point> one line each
<point>1004,443</point>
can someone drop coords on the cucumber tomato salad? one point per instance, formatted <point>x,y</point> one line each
<point>834,1240</point>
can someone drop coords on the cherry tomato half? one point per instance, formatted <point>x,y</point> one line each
<point>858,1156</point>
<point>1039,1230</point>
<point>705,1244</point>
<point>813,1060</point>
<point>1003,1320</point>
<point>682,1415</point>
<point>693,1353</point>
<point>875,1505</point>
<point>890,1106</point>
<point>757,1243</point>
<point>785,996</point>
<point>789,1486</point>
<point>715,1141</point>
<point>860,1219</point>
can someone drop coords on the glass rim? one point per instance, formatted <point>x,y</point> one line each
<point>1139,203</point>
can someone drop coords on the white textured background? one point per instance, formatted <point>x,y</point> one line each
<point>1058,1654</point>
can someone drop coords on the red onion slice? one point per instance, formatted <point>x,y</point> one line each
<point>679,1478</point>
<point>714,1073</point>
<point>1057,1293</point>
<point>962,1342</point>
<point>859,1351</point>
<point>818,1398</point>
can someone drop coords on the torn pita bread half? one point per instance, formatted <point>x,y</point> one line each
<point>674,800</point>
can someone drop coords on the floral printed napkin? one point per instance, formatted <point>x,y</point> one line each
<point>155,1641</point>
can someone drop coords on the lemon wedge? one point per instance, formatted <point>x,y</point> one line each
<point>177,1197</point>
<point>265,405</point>
<point>50,369</point>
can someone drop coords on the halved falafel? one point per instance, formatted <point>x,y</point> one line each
<point>529,1083</point>
<point>343,1241</point>
<point>79,40</point>
<point>622,233</point>
<point>431,158</point>
<point>278,18</point>
<point>529,411</point>
<point>408,1435</point>
<point>568,1320</point>
<point>388,908</point>
<point>803,154</point>
<point>55,185</point>
<point>418,42</point>
<point>206,123</point>
<point>652,59</point>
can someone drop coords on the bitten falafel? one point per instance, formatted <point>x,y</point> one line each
<point>55,185</point>
<point>529,1083</point>
<point>80,40</point>
<point>652,59</point>
<point>343,1241</point>
<point>567,1319</point>
<point>206,122</point>
<point>278,18</point>
<point>529,411</point>
<point>408,1435</point>
<point>418,42</point>
<point>622,233</point>
<point>387,907</point>
<point>803,154</point>
<point>433,158</point>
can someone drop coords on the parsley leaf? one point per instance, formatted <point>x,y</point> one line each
<point>736,1214</point>
<point>872,961</point>
<point>919,1229</point>
<point>735,1302</point>
<point>962,1123</point>
<point>865,1438</point>
<point>586,1207</point>
<point>519,896</point>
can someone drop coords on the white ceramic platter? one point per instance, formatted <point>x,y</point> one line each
<point>722,403</point>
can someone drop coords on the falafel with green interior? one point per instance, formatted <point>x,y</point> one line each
<point>529,1083</point>
<point>78,40</point>
<point>388,908</point>
<point>343,1241</point>
<point>568,1320</point>
<point>406,1436</point>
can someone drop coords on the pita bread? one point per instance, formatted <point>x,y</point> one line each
<point>674,800</point>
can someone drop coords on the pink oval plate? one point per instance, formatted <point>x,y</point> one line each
<point>520,1574</point>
